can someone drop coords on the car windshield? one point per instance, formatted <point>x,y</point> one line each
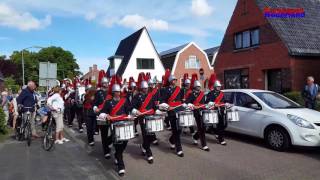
<point>276,101</point>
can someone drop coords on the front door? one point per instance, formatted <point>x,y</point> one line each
<point>274,79</point>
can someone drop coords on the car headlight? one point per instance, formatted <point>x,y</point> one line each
<point>300,121</point>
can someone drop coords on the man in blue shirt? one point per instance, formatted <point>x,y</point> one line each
<point>310,93</point>
<point>27,101</point>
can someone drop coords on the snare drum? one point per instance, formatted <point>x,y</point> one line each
<point>101,122</point>
<point>210,116</point>
<point>186,119</point>
<point>232,115</point>
<point>154,123</point>
<point>123,130</point>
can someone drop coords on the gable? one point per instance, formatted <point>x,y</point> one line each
<point>145,49</point>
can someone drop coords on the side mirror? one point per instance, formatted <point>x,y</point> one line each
<point>255,106</point>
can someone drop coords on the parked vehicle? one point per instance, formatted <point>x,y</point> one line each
<point>275,118</point>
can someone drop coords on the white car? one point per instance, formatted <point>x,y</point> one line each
<point>273,117</point>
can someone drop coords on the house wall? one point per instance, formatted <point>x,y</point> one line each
<point>180,69</point>
<point>93,73</point>
<point>270,54</point>
<point>302,67</point>
<point>144,49</point>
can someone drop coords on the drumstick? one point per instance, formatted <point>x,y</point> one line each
<point>201,106</point>
<point>145,112</point>
<point>172,108</point>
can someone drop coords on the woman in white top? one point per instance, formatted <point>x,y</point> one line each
<point>56,104</point>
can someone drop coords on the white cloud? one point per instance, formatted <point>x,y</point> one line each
<point>90,16</point>
<point>136,21</point>
<point>22,20</point>
<point>201,8</point>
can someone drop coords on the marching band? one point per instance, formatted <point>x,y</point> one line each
<point>115,108</point>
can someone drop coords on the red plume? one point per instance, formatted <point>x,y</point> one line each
<point>211,81</point>
<point>101,75</point>
<point>185,76</point>
<point>148,76</point>
<point>165,78</point>
<point>130,81</point>
<point>194,77</point>
<point>141,78</point>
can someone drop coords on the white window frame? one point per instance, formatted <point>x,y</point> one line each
<point>192,62</point>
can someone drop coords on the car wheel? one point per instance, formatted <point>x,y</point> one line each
<point>278,139</point>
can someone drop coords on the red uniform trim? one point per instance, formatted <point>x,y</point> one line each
<point>117,107</point>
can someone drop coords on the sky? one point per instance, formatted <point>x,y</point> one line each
<point>92,29</point>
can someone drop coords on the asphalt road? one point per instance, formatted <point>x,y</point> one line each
<point>243,158</point>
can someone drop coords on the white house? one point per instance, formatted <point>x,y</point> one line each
<point>136,53</point>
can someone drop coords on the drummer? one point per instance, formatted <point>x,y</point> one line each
<point>115,110</point>
<point>196,100</point>
<point>156,91</point>
<point>101,96</point>
<point>214,98</point>
<point>144,104</point>
<point>187,90</point>
<point>173,97</point>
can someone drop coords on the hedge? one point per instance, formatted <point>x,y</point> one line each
<point>3,125</point>
<point>296,96</point>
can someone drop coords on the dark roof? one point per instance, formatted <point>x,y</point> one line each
<point>126,48</point>
<point>300,35</point>
<point>173,51</point>
<point>210,53</point>
<point>167,57</point>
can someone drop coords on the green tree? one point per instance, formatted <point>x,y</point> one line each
<point>66,63</point>
<point>10,83</point>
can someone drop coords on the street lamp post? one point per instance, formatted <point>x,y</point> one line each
<point>22,61</point>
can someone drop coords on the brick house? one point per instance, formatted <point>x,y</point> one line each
<point>93,73</point>
<point>187,58</point>
<point>270,53</point>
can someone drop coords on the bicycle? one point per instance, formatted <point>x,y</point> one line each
<point>49,137</point>
<point>25,132</point>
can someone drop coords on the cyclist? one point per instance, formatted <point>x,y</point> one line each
<point>27,102</point>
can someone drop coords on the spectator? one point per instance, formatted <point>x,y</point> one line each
<point>27,99</point>
<point>5,104</point>
<point>56,104</point>
<point>15,112</point>
<point>310,93</point>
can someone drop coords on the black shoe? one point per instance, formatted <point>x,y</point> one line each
<point>155,142</point>
<point>143,151</point>
<point>150,160</point>
<point>70,125</point>
<point>96,133</point>
<point>205,148</point>
<point>172,146</point>
<point>91,143</point>
<point>136,134</point>
<point>223,142</point>
<point>81,130</point>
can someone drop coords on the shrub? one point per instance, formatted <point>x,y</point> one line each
<point>3,125</point>
<point>295,96</point>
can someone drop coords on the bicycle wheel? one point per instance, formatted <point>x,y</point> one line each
<point>48,140</point>
<point>28,134</point>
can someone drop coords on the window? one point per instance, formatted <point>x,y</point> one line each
<point>276,101</point>
<point>236,79</point>
<point>244,100</point>
<point>112,64</point>
<point>192,63</point>
<point>255,37</point>
<point>228,97</point>
<point>145,63</point>
<point>238,40</point>
<point>246,39</point>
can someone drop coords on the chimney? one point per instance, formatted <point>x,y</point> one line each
<point>90,69</point>
<point>95,67</point>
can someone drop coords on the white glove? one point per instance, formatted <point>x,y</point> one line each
<point>95,108</point>
<point>184,105</point>
<point>163,106</point>
<point>134,112</point>
<point>158,112</point>
<point>190,105</point>
<point>102,116</point>
<point>211,104</point>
